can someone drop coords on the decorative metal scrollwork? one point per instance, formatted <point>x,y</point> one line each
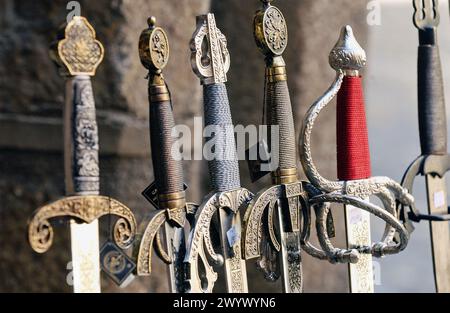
<point>348,56</point>
<point>84,209</point>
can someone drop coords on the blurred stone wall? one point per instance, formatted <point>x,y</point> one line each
<point>31,98</point>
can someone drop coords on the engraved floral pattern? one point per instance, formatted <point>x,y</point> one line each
<point>275,30</point>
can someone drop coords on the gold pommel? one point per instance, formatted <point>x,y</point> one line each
<point>154,47</point>
<point>78,52</point>
<point>270,30</point>
<point>347,55</point>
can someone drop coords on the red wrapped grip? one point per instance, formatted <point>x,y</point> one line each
<point>353,154</point>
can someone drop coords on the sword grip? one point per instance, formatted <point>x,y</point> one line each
<point>353,154</point>
<point>223,164</point>
<point>167,169</point>
<point>279,113</point>
<point>431,102</point>
<point>81,138</point>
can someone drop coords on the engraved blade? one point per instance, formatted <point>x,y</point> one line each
<point>440,233</point>
<point>358,233</point>
<point>234,265</point>
<point>85,257</point>
<point>176,247</point>
<point>290,256</point>
<point>81,172</point>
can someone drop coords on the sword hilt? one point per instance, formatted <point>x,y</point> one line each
<point>154,54</point>
<point>271,36</point>
<point>211,61</point>
<point>353,156</point>
<point>431,100</point>
<point>77,54</point>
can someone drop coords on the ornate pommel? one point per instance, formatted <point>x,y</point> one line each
<point>270,30</point>
<point>77,51</point>
<point>154,47</point>
<point>426,14</point>
<point>347,55</point>
<point>210,58</point>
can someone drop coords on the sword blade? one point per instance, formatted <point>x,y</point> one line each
<point>290,257</point>
<point>357,223</point>
<point>440,233</point>
<point>234,265</point>
<point>85,257</point>
<point>175,246</point>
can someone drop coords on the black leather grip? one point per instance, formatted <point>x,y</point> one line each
<point>279,112</point>
<point>168,170</point>
<point>432,114</point>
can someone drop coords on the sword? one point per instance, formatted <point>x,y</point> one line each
<point>167,193</point>
<point>211,61</point>
<point>355,185</point>
<point>434,161</point>
<point>78,54</point>
<point>279,206</point>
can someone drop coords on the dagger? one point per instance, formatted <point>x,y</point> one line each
<point>167,193</point>
<point>210,61</point>
<point>356,185</point>
<point>434,161</point>
<point>279,206</point>
<point>78,54</point>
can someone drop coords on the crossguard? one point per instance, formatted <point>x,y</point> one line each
<point>424,165</point>
<point>347,58</point>
<point>210,58</point>
<point>259,216</point>
<point>321,204</point>
<point>151,239</point>
<point>84,209</point>
<point>426,14</point>
<point>200,247</point>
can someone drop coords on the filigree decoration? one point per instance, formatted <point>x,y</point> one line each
<point>159,48</point>
<point>253,219</point>
<point>85,138</point>
<point>80,52</point>
<point>383,187</point>
<point>275,30</point>
<point>85,209</point>
<point>212,67</point>
<point>200,247</point>
<point>144,259</point>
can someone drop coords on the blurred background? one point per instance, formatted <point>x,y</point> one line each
<point>31,98</point>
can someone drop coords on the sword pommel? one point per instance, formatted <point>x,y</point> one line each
<point>77,52</point>
<point>154,51</point>
<point>426,14</point>
<point>347,55</point>
<point>210,58</point>
<point>270,30</point>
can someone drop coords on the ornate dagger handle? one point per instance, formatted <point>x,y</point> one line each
<point>432,113</point>
<point>224,171</point>
<point>81,138</point>
<point>154,53</point>
<point>271,35</point>
<point>212,68</point>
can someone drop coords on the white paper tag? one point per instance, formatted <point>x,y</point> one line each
<point>233,236</point>
<point>439,199</point>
